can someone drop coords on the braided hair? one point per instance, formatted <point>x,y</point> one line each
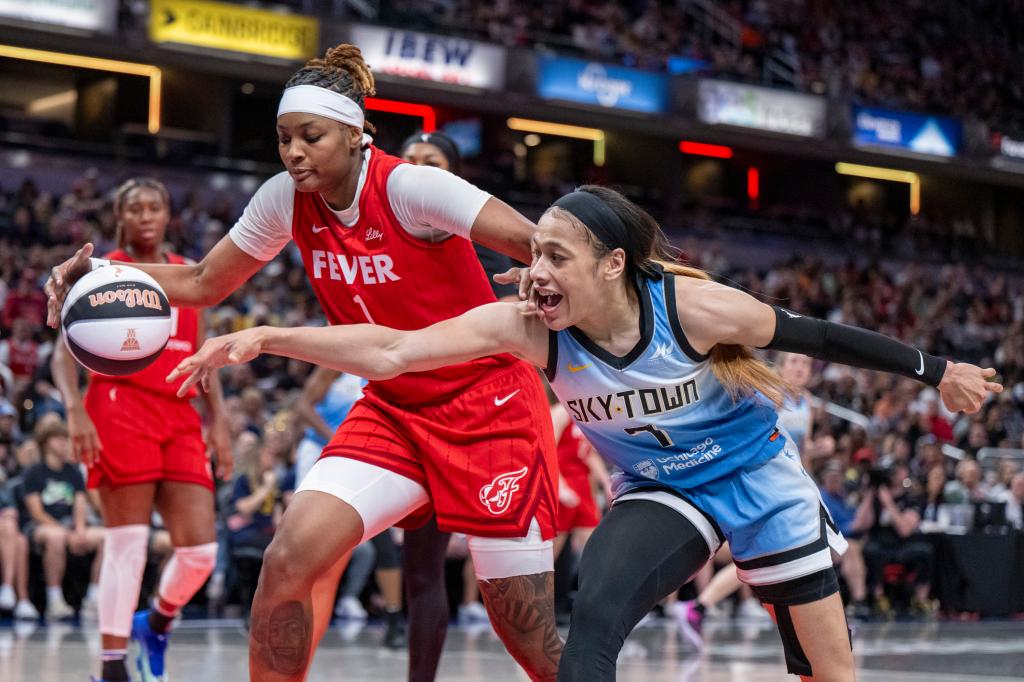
<point>343,70</point>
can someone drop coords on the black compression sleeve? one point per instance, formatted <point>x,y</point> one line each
<point>853,346</point>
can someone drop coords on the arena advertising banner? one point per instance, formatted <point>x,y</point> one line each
<point>749,106</point>
<point>443,59</point>
<point>1010,148</point>
<point>234,28</point>
<point>604,85</point>
<point>919,133</point>
<point>89,15</point>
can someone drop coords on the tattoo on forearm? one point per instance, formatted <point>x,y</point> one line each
<point>522,611</point>
<point>281,640</point>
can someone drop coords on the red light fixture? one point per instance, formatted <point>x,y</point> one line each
<point>716,151</point>
<point>393,106</point>
<point>753,183</point>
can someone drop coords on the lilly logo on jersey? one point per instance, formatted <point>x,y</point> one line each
<point>497,495</point>
<point>373,233</point>
<point>634,402</point>
<point>367,269</point>
<point>130,296</point>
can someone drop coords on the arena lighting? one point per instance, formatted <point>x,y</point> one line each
<point>703,149</point>
<point>97,64</point>
<point>596,135</point>
<point>393,106</point>
<point>753,183</point>
<point>890,174</point>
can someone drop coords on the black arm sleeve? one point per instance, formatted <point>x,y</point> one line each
<point>853,346</point>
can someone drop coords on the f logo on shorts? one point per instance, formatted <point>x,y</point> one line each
<point>497,495</point>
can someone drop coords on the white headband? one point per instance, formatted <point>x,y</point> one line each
<point>312,99</point>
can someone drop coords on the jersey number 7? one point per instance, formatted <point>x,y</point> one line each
<point>663,438</point>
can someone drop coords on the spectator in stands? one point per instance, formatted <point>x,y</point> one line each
<point>56,516</point>
<point>13,560</point>
<point>1014,499</point>
<point>852,522</point>
<point>893,513</point>
<point>20,353</point>
<point>26,301</point>
<point>968,486</point>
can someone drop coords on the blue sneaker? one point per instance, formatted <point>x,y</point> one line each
<point>147,649</point>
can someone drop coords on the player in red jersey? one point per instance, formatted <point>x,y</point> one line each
<point>472,443</point>
<point>144,449</point>
<point>579,466</point>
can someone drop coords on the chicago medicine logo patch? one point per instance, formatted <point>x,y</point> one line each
<point>497,495</point>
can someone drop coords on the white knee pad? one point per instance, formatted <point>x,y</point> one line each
<point>124,560</point>
<point>186,572</point>
<point>495,558</point>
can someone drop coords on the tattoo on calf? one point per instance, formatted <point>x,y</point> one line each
<point>281,640</point>
<point>522,611</point>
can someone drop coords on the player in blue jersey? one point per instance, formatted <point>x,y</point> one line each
<point>653,361</point>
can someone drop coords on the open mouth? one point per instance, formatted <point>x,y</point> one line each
<point>548,302</point>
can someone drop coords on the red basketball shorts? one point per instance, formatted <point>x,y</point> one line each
<point>486,458</point>
<point>584,514</point>
<point>145,437</point>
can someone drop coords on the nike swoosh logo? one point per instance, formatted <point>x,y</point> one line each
<point>317,229</point>
<point>791,315</point>
<point>920,372</point>
<point>498,402</point>
<point>577,368</point>
<point>113,394</point>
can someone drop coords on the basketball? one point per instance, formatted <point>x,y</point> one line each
<point>116,320</point>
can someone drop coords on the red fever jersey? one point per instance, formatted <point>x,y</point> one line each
<point>183,343</point>
<point>374,271</point>
<point>476,435</point>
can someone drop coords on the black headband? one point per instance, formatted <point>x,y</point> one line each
<point>605,223</point>
<point>439,140</point>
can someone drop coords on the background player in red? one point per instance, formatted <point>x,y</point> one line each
<point>144,449</point>
<point>579,467</point>
<point>471,442</point>
<point>425,548</point>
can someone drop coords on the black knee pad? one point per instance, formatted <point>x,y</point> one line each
<point>784,595</point>
<point>798,591</point>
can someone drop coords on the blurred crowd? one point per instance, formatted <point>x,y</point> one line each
<point>956,58</point>
<point>901,439</point>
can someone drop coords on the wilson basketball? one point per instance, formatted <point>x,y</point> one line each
<point>116,320</point>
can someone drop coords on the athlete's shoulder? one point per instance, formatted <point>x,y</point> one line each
<point>280,186</point>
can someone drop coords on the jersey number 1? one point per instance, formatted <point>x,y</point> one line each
<point>663,438</point>
<point>359,300</point>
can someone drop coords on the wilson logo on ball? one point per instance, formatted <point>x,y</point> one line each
<point>146,298</point>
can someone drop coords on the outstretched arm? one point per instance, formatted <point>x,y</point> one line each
<point>205,283</point>
<point>377,352</point>
<point>714,313</point>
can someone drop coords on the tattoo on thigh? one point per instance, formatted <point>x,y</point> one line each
<point>281,640</point>
<point>522,611</point>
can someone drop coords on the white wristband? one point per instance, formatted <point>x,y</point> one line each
<point>98,263</point>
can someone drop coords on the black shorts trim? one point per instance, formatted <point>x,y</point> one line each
<point>791,554</point>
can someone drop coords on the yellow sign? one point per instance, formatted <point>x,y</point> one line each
<point>231,27</point>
